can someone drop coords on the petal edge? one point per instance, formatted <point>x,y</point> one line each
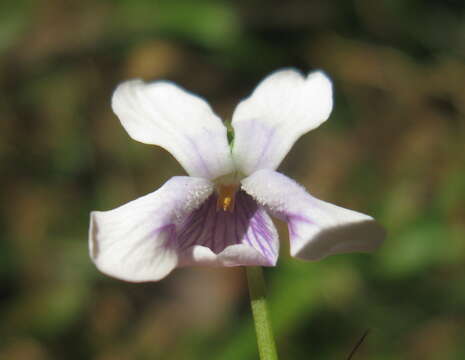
<point>136,241</point>
<point>317,229</point>
<point>283,107</point>
<point>162,113</point>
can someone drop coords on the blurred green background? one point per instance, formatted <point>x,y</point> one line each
<point>393,148</point>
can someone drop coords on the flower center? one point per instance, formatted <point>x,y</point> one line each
<point>226,197</point>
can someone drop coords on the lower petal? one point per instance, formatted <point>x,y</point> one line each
<point>317,229</point>
<point>215,237</point>
<point>137,241</point>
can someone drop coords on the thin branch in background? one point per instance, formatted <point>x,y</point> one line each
<point>360,342</point>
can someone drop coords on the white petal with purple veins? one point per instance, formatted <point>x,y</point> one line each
<point>215,237</point>
<point>137,241</point>
<point>316,228</point>
<point>162,113</point>
<point>284,106</point>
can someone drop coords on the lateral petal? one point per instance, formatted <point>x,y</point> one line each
<point>137,241</point>
<point>284,106</point>
<point>162,113</point>
<point>317,229</point>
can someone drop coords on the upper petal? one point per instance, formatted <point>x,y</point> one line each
<point>136,241</point>
<point>316,228</point>
<point>161,113</point>
<point>284,106</point>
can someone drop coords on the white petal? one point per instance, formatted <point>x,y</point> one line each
<point>284,106</point>
<point>161,113</point>
<point>136,241</point>
<point>234,255</point>
<point>316,228</point>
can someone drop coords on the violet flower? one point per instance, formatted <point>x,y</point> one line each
<point>219,215</point>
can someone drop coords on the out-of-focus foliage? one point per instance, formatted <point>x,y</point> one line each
<point>393,148</point>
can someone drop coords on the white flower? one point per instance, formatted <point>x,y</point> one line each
<point>219,214</point>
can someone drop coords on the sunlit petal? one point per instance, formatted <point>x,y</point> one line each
<point>161,113</point>
<point>316,228</point>
<point>137,241</point>
<point>284,106</point>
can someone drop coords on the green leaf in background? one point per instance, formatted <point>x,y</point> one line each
<point>426,244</point>
<point>15,16</point>
<point>209,23</point>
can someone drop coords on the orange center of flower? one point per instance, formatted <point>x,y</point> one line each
<point>226,196</point>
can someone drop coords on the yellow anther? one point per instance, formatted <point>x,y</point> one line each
<point>227,203</point>
<point>226,197</point>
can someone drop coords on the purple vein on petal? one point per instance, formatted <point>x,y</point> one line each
<point>243,223</point>
<point>199,156</point>
<point>257,226</point>
<point>194,226</point>
<point>239,230</point>
<point>245,220</point>
<point>292,221</point>
<point>210,232</point>
<point>250,216</point>
<point>208,215</point>
<point>217,229</point>
<point>261,227</point>
<point>210,218</point>
<point>191,224</point>
<point>169,228</point>
<point>269,136</point>
<point>299,218</point>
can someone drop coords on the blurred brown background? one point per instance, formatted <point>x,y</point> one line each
<point>393,148</point>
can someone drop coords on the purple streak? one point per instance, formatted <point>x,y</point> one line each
<point>217,229</point>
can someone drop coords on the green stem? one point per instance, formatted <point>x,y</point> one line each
<point>265,339</point>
